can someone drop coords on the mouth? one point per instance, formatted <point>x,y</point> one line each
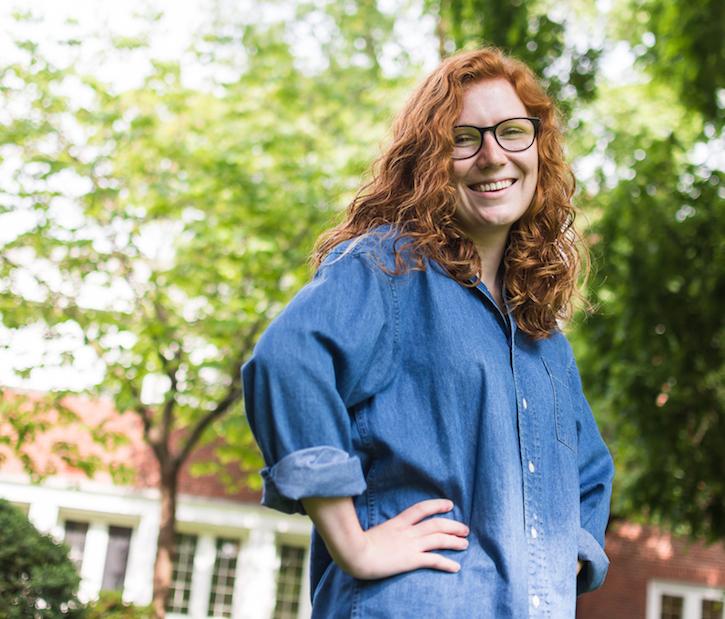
<point>493,187</point>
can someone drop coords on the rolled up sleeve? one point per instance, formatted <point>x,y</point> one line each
<point>332,348</point>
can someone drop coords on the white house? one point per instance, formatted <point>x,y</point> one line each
<point>234,558</point>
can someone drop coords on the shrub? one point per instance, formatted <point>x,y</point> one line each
<point>110,606</point>
<point>37,579</point>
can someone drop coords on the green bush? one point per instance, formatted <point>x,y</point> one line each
<point>37,579</point>
<point>110,606</point>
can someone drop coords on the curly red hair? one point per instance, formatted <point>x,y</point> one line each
<point>412,191</point>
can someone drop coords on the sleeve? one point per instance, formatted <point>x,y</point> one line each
<point>596,471</point>
<point>331,348</point>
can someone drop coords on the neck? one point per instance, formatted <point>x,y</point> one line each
<point>490,251</point>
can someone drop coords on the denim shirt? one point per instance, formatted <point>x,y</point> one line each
<point>393,389</point>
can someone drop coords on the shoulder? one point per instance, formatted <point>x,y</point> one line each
<point>557,351</point>
<point>377,247</point>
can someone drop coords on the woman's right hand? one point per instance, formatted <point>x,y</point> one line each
<point>398,545</point>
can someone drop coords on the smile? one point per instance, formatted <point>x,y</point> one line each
<point>494,186</point>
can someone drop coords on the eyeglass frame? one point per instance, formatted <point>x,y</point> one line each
<point>482,132</point>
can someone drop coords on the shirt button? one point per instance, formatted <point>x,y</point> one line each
<point>525,403</point>
<point>532,468</point>
<point>534,532</point>
<point>535,601</point>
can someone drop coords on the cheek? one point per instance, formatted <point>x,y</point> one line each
<point>531,166</point>
<point>459,170</point>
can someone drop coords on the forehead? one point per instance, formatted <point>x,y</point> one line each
<point>490,101</point>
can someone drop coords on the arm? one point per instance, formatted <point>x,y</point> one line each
<point>596,471</point>
<point>398,545</point>
<point>333,347</point>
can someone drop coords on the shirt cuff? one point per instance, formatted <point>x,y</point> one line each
<point>594,563</point>
<point>315,471</point>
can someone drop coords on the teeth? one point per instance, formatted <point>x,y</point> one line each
<point>493,186</point>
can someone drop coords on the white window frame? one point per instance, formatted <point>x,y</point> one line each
<point>203,568</point>
<point>692,596</point>
<point>303,609</point>
<point>96,547</point>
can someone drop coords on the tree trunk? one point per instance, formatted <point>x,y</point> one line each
<point>163,566</point>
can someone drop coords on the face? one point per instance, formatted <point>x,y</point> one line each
<point>484,207</point>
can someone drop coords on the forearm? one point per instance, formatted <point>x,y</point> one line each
<point>336,521</point>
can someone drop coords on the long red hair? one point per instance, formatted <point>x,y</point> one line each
<point>412,191</point>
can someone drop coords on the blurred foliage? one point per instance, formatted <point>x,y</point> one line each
<point>110,605</point>
<point>681,43</point>
<point>37,579</point>
<point>167,224</point>
<point>530,32</point>
<point>652,356</point>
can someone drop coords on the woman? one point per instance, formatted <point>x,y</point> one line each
<point>417,398</point>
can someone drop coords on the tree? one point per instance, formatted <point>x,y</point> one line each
<point>37,579</point>
<point>169,223</point>
<point>530,32</point>
<point>654,350</point>
<point>653,353</point>
<point>680,44</point>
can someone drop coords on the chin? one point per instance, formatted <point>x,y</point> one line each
<point>495,218</point>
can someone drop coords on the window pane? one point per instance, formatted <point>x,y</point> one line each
<point>289,582</point>
<point>185,548</point>
<point>75,538</point>
<point>671,607</point>
<point>712,609</point>
<point>114,572</point>
<point>222,582</point>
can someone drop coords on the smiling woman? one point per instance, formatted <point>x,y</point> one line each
<point>495,181</point>
<point>417,399</point>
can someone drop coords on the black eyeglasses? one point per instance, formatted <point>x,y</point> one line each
<point>512,134</point>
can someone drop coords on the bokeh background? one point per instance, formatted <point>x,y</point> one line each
<point>165,168</point>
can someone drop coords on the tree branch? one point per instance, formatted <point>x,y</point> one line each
<point>234,393</point>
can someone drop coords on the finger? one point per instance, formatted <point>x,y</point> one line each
<point>441,525</point>
<point>416,513</point>
<point>442,541</point>
<point>438,562</point>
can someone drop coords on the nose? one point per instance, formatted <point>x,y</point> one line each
<point>491,154</point>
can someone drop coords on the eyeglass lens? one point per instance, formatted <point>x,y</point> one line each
<point>513,135</point>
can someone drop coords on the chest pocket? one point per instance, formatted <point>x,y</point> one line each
<point>563,410</point>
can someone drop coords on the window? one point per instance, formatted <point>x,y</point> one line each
<point>222,582</point>
<point>289,582</point>
<point>75,538</point>
<point>674,600</point>
<point>114,572</point>
<point>671,607</point>
<point>184,551</point>
<point>712,609</point>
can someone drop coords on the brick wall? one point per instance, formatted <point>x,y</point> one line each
<point>639,554</point>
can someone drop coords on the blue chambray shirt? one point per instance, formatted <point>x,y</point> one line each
<point>394,389</point>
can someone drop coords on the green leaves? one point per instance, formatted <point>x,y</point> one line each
<point>652,356</point>
<point>171,223</point>
<point>36,577</point>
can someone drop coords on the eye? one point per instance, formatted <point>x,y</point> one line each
<point>515,129</point>
<point>512,131</point>
<point>465,137</point>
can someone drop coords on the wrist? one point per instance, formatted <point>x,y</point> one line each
<point>337,523</point>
